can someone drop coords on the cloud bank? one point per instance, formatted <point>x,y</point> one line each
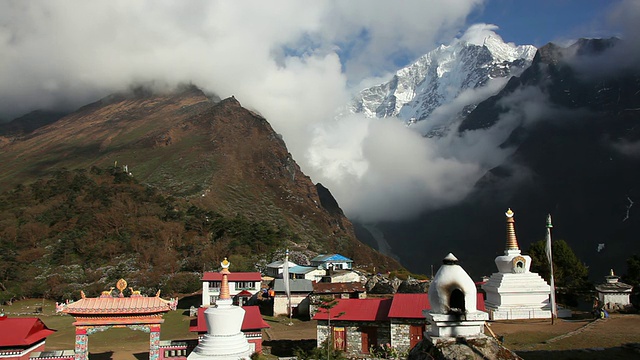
<point>294,62</point>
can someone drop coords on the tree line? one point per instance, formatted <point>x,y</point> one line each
<point>84,229</point>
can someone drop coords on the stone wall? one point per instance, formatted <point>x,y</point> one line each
<point>400,336</point>
<point>353,331</point>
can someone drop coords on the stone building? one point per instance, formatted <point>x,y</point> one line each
<point>354,325</point>
<point>408,324</point>
<point>613,295</point>
<point>299,290</point>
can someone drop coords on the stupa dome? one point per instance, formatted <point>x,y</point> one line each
<point>452,290</point>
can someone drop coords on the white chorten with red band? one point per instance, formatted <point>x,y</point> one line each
<point>224,340</point>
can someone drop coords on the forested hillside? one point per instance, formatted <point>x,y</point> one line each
<point>84,229</point>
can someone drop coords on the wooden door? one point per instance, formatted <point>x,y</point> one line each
<point>369,338</point>
<point>415,335</point>
<point>339,339</point>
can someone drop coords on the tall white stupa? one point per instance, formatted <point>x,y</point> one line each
<point>514,292</point>
<point>224,340</point>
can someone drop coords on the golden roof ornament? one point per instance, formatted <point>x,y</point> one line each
<point>121,285</point>
<point>512,242</point>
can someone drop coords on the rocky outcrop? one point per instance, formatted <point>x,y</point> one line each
<point>482,347</point>
<point>413,286</point>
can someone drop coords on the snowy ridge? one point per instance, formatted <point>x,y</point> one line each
<point>438,77</point>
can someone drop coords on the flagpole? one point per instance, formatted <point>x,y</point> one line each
<point>285,275</point>
<point>551,281</point>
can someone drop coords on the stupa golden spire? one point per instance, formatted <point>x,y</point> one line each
<point>224,286</point>
<point>512,242</point>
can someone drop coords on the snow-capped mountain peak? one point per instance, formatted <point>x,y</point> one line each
<point>440,76</point>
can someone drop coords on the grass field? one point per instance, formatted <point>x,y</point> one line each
<point>114,341</point>
<point>532,339</point>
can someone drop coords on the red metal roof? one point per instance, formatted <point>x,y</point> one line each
<point>244,293</point>
<point>234,276</point>
<point>252,320</point>
<point>357,310</point>
<point>22,332</point>
<point>401,306</point>
<point>117,305</point>
<point>409,306</point>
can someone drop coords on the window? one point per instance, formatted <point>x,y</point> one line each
<point>215,284</point>
<point>245,285</point>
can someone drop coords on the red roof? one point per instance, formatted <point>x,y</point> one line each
<point>409,306</point>
<point>244,293</point>
<point>22,332</point>
<point>234,276</point>
<point>401,306</point>
<point>357,310</point>
<point>252,320</point>
<point>118,305</point>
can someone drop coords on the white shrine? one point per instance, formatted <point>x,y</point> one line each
<point>456,326</point>
<point>514,292</point>
<point>223,340</point>
<point>453,298</point>
<point>614,295</point>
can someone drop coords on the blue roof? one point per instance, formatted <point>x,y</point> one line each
<point>331,257</point>
<point>302,269</point>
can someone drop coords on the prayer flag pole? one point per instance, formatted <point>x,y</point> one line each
<point>285,278</point>
<point>551,282</point>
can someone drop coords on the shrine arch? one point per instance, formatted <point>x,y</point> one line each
<point>113,309</point>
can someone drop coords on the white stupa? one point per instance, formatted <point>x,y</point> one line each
<point>514,292</point>
<point>453,298</point>
<point>223,340</point>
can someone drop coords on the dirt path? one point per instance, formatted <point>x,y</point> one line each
<point>586,339</point>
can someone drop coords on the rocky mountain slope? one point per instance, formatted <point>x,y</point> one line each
<point>575,138</point>
<point>440,76</point>
<point>214,154</point>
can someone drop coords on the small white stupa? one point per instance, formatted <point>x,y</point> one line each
<point>453,298</point>
<point>224,340</point>
<point>456,326</point>
<point>514,292</point>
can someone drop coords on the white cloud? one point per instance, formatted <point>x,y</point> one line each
<point>294,62</point>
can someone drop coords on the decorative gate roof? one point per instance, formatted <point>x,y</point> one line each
<point>114,303</point>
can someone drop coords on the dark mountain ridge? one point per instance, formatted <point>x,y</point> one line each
<point>576,161</point>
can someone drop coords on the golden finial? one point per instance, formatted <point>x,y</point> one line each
<point>225,266</point>
<point>82,295</point>
<point>158,293</point>
<point>512,242</point>
<point>121,285</point>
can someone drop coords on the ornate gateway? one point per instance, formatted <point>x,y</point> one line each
<point>114,310</point>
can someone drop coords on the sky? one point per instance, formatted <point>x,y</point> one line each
<point>296,63</point>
